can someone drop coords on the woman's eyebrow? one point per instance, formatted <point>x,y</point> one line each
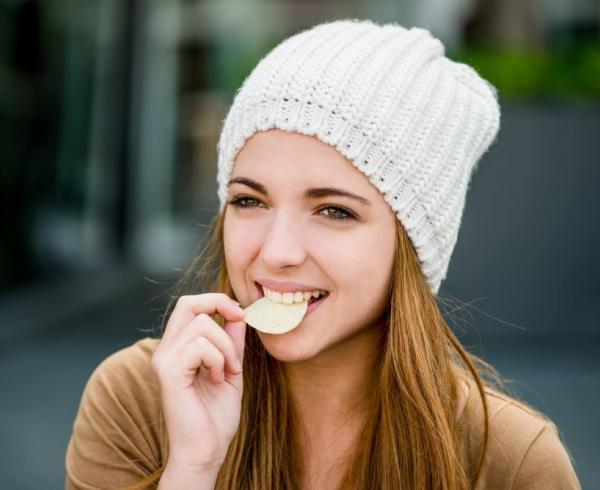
<point>312,193</point>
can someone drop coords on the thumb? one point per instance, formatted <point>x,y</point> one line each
<point>237,331</point>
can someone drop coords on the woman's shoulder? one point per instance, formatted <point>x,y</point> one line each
<point>118,434</point>
<point>126,378</point>
<point>139,352</point>
<point>127,371</point>
<point>124,381</point>
<point>524,446</point>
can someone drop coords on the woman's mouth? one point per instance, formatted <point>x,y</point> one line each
<point>312,302</point>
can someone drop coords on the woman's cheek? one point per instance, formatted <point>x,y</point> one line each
<point>240,235</point>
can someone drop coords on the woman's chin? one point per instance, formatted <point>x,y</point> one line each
<point>289,347</point>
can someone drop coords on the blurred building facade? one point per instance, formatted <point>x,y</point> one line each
<point>110,110</point>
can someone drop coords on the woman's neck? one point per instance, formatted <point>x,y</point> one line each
<point>331,392</point>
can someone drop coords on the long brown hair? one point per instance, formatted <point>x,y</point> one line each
<point>410,438</point>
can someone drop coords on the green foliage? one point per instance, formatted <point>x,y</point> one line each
<point>235,64</point>
<point>518,74</point>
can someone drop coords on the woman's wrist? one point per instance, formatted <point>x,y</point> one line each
<point>182,477</point>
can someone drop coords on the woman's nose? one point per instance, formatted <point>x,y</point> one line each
<point>283,245</point>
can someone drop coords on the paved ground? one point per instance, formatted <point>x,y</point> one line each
<point>43,374</point>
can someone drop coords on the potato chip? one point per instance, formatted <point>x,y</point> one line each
<point>270,317</point>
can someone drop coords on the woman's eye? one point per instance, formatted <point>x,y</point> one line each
<point>240,202</point>
<point>335,213</point>
<point>338,214</point>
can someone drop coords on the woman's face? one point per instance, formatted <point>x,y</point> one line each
<point>283,229</point>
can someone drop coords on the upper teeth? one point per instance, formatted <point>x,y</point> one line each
<point>291,297</point>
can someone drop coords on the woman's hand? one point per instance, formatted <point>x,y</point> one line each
<point>198,365</point>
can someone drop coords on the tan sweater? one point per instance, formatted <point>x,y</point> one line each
<point>117,440</point>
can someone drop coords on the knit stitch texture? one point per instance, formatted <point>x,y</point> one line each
<point>388,99</point>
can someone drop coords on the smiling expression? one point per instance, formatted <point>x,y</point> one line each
<point>301,217</point>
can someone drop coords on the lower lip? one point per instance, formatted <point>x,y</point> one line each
<point>315,304</point>
<point>311,306</point>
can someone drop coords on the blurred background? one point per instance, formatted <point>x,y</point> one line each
<point>110,111</point>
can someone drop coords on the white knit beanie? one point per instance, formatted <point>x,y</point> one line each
<point>389,100</point>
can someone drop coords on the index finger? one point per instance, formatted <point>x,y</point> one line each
<point>188,307</point>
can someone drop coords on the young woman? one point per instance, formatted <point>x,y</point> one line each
<point>344,164</point>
